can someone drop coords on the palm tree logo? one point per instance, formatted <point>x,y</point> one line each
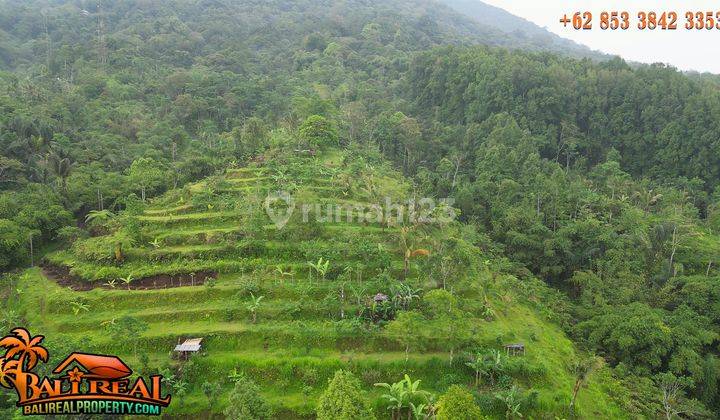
<point>22,355</point>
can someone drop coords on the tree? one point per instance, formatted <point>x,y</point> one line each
<point>458,404</point>
<point>408,250</point>
<point>407,329</point>
<point>318,132</point>
<point>61,166</point>
<point>128,329</point>
<point>10,170</point>
<point>211,391</point>
<point>246,403</point>
<point>99,216</point>
<point>254,135</point>
<point>344,399</point>
<point>582,370</point>
<point>12,244</point>
<point>146,174</point>
<point>480,364</point>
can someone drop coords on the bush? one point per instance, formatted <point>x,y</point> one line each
<point>246,403</point>
<point>344,399</point>
<point>111,248</point>
<point>13,243</point>
<point>458,404</point>
<point>70,234</point>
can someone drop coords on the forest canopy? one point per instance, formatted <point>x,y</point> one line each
<point>595,176</point>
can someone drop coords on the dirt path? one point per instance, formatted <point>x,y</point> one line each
<point>61,275</point>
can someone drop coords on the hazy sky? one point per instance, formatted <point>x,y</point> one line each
<point>685,49</point>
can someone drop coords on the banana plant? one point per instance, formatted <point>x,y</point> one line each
<point>127,280</point>
<point>408,250</point>
<point>279,270</point>
<point>396,396</point>
<point>78,306</point>
<point>480,366</point>
<point>321,267</point>
<point>404,295</point>
<point>511,399</point>
<point>422,411</point>
<point>402,395</point>
<point>253,306</point>
<point>109,323</point>
<point>236,375</point>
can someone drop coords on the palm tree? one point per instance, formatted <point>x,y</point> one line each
<point>111,283</point>
<point>495,361</point>
<point>253,306</point>
<point>61,166</point>
<point>100,216</point>
<point>21,343</point>
<point>30,351</point>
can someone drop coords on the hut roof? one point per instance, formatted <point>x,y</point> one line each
<point>191,344</point>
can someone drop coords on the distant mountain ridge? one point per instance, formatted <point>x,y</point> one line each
<point>24,39</point>
<point>500,19</point>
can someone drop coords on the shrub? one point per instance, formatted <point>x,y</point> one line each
<point>70,234</point>
<point>458,404</point>
<point>245,402</point>
<point>344,399</point>
<point>104,249</point>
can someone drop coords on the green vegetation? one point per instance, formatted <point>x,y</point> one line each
<point>150,151</point>
<point>344,399</point>
<point>293,305</point>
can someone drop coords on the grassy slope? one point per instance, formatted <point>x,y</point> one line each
<point>297,343</point>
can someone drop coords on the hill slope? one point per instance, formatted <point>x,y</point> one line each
<point>188,29</point>
<point>495,17</point>
<point>310,322</point>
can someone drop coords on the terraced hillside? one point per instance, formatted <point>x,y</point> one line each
<point>196,262</point>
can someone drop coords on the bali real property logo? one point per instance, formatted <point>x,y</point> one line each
<point>83,384</point>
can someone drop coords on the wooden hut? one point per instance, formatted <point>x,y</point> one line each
<point>189,346</point>
<point>515,349</point>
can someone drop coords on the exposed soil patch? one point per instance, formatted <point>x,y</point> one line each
<point>61,275</point>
